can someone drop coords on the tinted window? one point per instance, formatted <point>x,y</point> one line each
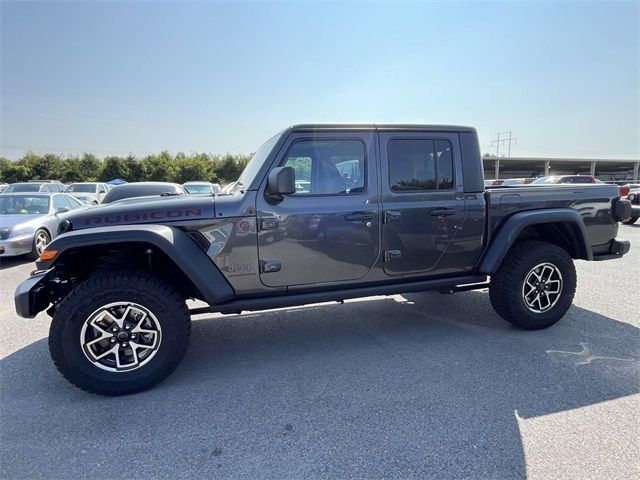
<point>325,167</point>
<point>416,165</point>
<point>444,166</point>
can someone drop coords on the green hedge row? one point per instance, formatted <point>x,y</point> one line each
<point>163,167</point>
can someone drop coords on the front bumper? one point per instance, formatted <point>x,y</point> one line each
<point>32,295</point>
<point>16,245</point>
<point>635,210</point>
<point>617,249</point>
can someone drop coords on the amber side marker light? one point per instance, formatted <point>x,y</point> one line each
<point>48,255</point>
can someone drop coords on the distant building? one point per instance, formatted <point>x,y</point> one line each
<point>517,167</point>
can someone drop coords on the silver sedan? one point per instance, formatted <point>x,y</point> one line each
<point>28,221</point>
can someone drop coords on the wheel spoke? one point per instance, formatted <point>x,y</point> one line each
<point>556,289</point>
<point>113,349</point>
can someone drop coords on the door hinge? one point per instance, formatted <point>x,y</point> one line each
<point>269,223</point>
<point>390,255</point>
<point>269,266</point>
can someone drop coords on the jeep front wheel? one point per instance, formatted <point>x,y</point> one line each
<point>534,286</point>
<point>119,332</point>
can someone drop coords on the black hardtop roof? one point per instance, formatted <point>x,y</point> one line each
<point>380,127</point>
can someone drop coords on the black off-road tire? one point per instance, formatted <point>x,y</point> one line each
<point>506,287</point>
<point>631,221</point>
<point>155,294</point>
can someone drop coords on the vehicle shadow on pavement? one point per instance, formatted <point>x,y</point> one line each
<point>424,385</point>
<point>10,262</point>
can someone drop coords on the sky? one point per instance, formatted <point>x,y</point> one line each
<point>141,77</point>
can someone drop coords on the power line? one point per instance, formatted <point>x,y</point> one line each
<point>502,141</point>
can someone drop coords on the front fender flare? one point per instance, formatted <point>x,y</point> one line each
<point>175,243</point>
<point>515,224</point>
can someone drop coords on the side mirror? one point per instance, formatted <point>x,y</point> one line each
<point>62,210</point>
<point>101,191</point>
<point>281,181</point>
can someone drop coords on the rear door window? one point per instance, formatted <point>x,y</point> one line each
<point>419,164</point>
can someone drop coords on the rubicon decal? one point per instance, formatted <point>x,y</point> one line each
<point>136,217</point>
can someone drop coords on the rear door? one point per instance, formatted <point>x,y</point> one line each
<point>328,231</point>
<point>423,201</point>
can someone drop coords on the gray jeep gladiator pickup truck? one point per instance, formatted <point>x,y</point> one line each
<point>320,213</point>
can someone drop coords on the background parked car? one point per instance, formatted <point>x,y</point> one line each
<point>201,188</point>
<point>143,189</point>
<point>90,192</point>
<point>35,186</point>
<point>493,183</point>
<point>633,195</point>
<point>556,179</point>
<point>28,221</point>
<point>511,182</point>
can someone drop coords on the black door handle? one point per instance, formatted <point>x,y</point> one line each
<point>359,217</point>
<point>442,212</point>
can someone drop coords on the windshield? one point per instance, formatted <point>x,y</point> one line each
<point>205,189</point>
<point>252,168</point>
<point>82,187</point>
<point>23,187</point>
<point>24,204</point>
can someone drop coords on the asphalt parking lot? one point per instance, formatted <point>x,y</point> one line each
<point>413,386</point>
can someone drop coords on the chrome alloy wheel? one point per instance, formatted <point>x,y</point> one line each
<point>542,287</point>
<point>41,241</point>
<point>120,336</point>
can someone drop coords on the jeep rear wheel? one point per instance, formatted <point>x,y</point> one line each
<point>119,332</point>
<point>534,286</point>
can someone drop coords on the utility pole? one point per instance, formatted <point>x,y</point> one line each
<point>502,141</point>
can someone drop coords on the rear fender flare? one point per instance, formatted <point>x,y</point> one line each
<point>516,223</point>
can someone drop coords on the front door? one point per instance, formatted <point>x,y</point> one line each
<point>328,231</point>
<point>423,202</point>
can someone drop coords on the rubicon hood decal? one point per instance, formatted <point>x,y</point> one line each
<point>159,211</point>
<point>142,217</point>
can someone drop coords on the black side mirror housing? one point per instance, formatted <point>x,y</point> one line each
<point>62,210</point>
<point>281,181</point>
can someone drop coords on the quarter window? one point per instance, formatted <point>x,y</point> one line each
<point>418,165</point>
<point>326,167</point>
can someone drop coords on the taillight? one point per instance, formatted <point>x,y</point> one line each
<point>624,190</point>
<point>621,209</point>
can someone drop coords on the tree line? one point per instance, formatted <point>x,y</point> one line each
<point>163,167</point>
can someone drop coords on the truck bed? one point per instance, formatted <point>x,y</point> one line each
<point>593,202</point>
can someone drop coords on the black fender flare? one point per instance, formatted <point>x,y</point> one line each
<point>513,226</point>
<point>175,243</point>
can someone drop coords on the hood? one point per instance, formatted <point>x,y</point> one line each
<point>9,221</point>
<point>182,208</point>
